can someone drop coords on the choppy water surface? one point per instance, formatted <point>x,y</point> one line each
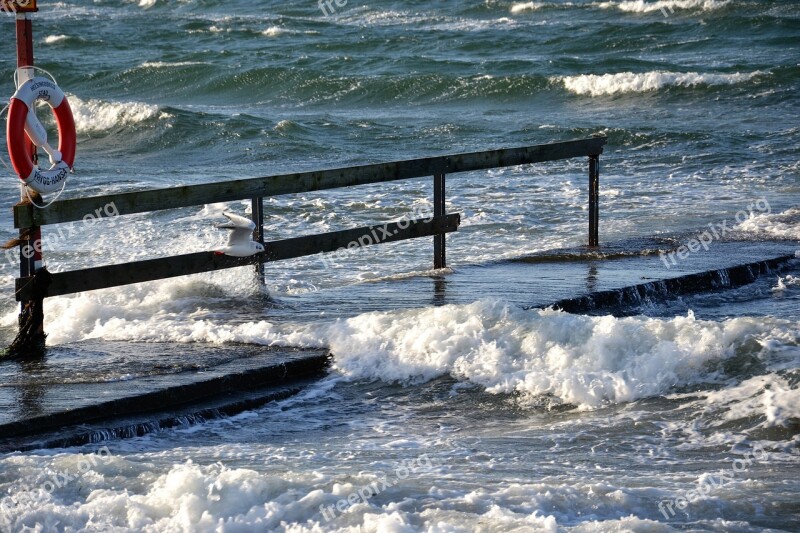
<point>461,417</point>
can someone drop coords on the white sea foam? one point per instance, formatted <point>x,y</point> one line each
<point>637,82</point>
<point>365,17</point>
<point>770,396</point>
<point>97,115</point>
<point>665,6</point>
<point>128,495</point>
<point>277,31</point>
<point>785,225</point>
<point>521,7</point>
<point>785,282</point>
<point>187,497</point>
<point>461,24</point>
<point>273,31</point>
<point>170,64</point>
<point>52,39</point>
<point>580,360</point>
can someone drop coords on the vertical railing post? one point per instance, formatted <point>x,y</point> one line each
<point>594,200</point>
<point>258,233</point>
<point>31,335</point>
<point>29,255</point>
<point>439,254</point>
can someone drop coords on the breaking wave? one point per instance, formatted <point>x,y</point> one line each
<point>588,361</point>
<point>638,82</point>
<point>522,7</point>
<point>96,115</point>
<point>578,360</point>
<point>665,6</point>
<point>785,225</point>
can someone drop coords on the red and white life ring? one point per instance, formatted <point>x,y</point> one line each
<point>22,121</point>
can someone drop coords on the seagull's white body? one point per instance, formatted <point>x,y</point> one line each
<point>240,241</point>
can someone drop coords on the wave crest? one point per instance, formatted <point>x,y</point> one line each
<point>96,115</point>
<point>579,360</point>
<point>665,6</point>
<point>784,225</point>
<point>638,82</point>
<point>521,7</point>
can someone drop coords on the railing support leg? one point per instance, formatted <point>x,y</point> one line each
<point>258,233</point>
<point>594,200</point>
<point>439,255</point>
<point>30,340</point>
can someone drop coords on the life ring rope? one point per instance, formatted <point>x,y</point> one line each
<point>22,124</point>
<point>50,202</point>
<point>32,67</point>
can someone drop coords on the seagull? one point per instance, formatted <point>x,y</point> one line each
<point>240,242</point>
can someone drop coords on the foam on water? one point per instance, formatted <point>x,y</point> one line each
<point>273,31</point>
<point>784,225</point>
<point>588,361</point>
<point>147,493</point>
<point>52,39</point>
<point>93,115</point>
<point>579,360</point>
<point>770,397</point>
<point>665,6</point>
<point>170,64</point>
<point>633,82</point>
<point>786,282</point>
<point>521,7</point>
<point>127,496</point>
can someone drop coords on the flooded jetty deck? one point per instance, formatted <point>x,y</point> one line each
<point>48,403</point>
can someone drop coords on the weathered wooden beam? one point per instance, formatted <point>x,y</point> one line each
<point>227,191</point>
<point>257,210</point>
<point>103,277</point>
<point>594,200</point>
<point>439,244</point>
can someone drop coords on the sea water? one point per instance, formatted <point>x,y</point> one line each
<point>476,416</point>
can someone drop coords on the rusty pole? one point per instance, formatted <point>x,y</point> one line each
<point>30,239</point>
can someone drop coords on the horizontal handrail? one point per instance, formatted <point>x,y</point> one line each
<point>103,277</point>
<point>26,216</point>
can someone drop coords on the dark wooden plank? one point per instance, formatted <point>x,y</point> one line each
<point>594,200</point>
<point>257,211</point>
<point>226,191</point>
<point>439,243</point>
<point>181,265</point>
